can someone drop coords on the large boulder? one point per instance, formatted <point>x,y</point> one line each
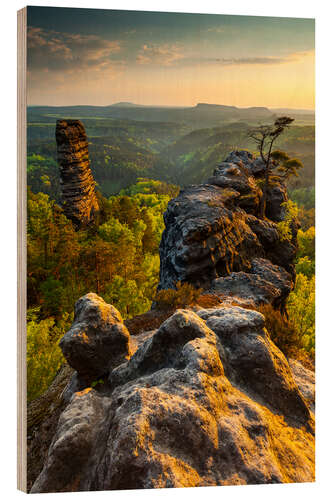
<point>42,418</point>
<point>205,236</point>
<point>80,428</point>
<point>206,400</point>
<point>254,166</point>
<point>254,362</point>
<point>232,176</point>
<point>264,284</point>
<point>97,340</point>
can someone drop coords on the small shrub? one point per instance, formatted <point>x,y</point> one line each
<point>301,310</point>
<point>184,295</point>
<point>209,300</point>
<point>293,335</point>
<point>281,330</point>
<point>95,383</point>
<point>305,266</point>
<point>151,320</point>
<point>307,243</point>
<point>285,227</point>
<point>44,356</point>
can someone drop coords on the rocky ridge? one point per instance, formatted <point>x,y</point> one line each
<point>79,199</point>
<point>213,231</point>
<point>206,398</point>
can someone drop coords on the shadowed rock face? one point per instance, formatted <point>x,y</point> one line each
<point>213,230</point>
<point>207,399</point>
<point>77,183</point>
<point>206,236</point>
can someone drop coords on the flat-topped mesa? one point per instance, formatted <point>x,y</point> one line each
<point>79,198</point>
<point>215,239</point>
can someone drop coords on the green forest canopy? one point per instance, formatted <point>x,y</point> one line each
<point>119,260</point>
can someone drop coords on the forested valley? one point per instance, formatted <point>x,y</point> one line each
<point>139,166</point>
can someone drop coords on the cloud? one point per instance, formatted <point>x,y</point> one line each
<point>249,60</point>
<point>172,55</point>
<point>216,29</point>
<point>163,55</point>
<point>55,51</point>
<point>244,61</point>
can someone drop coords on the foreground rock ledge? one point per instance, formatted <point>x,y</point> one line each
<point>207,399</point>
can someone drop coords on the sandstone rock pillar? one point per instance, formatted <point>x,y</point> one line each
<point>77,183</point>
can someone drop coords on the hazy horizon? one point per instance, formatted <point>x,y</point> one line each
<point>100,57</point>
<point>309,110</point>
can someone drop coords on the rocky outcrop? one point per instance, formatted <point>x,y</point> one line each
<point>236,177</point>
<point>264,284</point>
<point>202,397</point>
<point>277,193</point>
<point>79,199</point>
<point>42,418</point>
<point>205,237</point>
<point>213,234</point>
<point>207,399</point>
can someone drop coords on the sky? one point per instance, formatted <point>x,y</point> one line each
<point>99,57</point>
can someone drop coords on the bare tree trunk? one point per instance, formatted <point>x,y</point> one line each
<point>265,190</point>
<point>45,252</point>
<point>264,194</point>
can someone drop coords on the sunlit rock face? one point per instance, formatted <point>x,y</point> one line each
<point>207,399</point>
<point>214,229</point>
<point>77,183</point>
<point>277,194</point>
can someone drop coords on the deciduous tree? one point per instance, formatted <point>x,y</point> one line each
<point>279,162</point>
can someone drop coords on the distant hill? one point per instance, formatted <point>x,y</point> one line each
<point>290,111</point>
<point>199,116</point>
<point>126,105</point>
<point>221,107</point>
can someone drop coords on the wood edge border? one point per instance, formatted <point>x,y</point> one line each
<point>21,249</point>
